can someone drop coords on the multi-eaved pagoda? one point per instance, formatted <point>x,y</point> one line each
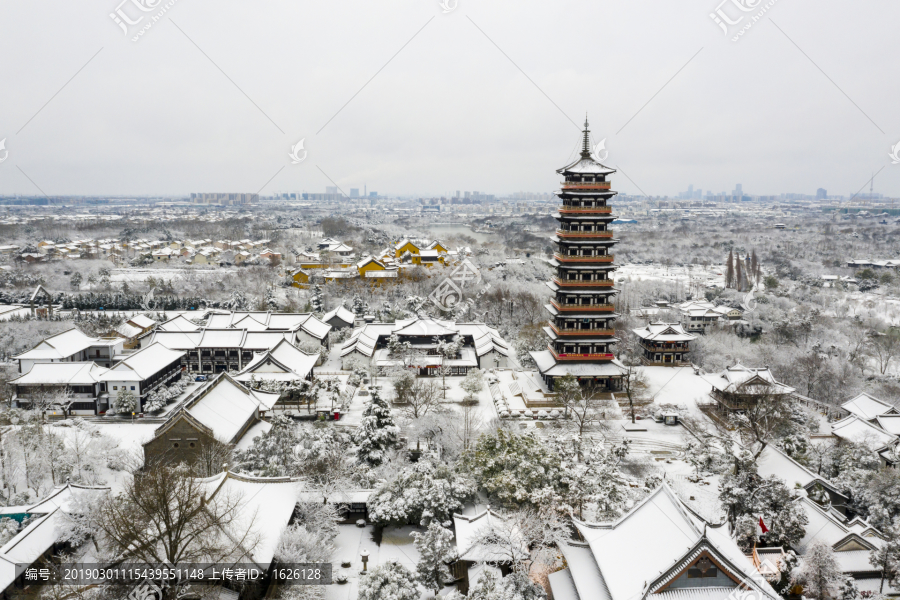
<point>582,317</point>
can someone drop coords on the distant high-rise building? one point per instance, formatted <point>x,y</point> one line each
<point>457,193</point>
<point>821,194</point>
<point>738,190</point>
<point>373,194</point>
<point>331,190</point>
<point>354,192</point>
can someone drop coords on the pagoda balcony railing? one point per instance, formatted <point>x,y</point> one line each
<point>574,356</point>
<point>582,307</point>
<point>666,347</point>
<point>584,234</point>
<point>585,185</point>
<point>602,258</point>
<point>581,332</point>
<point>582,283</point>
<point>584,209</point>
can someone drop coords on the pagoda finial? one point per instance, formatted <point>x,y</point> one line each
<point>586,144</point>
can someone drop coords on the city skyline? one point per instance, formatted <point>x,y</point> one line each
<point>212,97</point>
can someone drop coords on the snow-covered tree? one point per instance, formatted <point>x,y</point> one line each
<point>272,453</point>
<point>702,454</point>
<point>124,403</point>
<point>388,581</point>
<point>421,492</point>
<point>887,558</point>
<point>377,433</point>
<point>436,549</point>
<point>747,497</point>
<point>512,467</point>
<point>472,385</point>
<point>317,300</point>
<point>8,529</point>
<point>819,572</point>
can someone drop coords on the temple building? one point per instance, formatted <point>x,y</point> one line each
<point>665,345</point>
<point>582,317</point>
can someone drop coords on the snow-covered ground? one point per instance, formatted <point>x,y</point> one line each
<point>696,274</point>
<point>396,544</point>
<point>677,385</point>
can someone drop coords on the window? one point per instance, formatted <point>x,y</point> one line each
<point>132,388</point>
<point>175,445</point>
<point>115,387</point>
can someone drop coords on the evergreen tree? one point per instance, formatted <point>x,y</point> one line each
<point>377,433</point>
<point>739,274</point>
<point>436,549</point>
<point>819,573</point>
<point>317,300</point>
<point>729,270</point>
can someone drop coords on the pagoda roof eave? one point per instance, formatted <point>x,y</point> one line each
<point>592,217</point>
<point>599,291</point>
<point>593,267</point>
<point>585,166</point>
<point>557,239</point>
<point>577,315</point>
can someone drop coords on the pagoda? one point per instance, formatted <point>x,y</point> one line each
<point>582,316</point>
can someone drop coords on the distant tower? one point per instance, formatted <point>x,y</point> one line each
<point>581,326</point>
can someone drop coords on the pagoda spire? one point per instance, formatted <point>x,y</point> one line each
<point>586,144</point>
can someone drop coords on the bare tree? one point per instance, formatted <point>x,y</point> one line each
<point>164,515</point>
<point>883,348</point>
<point>764,412</point>
<point>423,396</point>
<point>212,458</point>
<point>635,385</point>
<point>592,407</point>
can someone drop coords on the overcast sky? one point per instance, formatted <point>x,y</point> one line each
<point>409,99</point>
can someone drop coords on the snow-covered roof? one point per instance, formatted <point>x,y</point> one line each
<point>341,313</point>
<point>890,423</point>
<point>469,529</point>
<point>741,379</point>
<point>424,328</point>
<point>664,332</point>
<point>127,330</point>
<point>42,533</point>
<point>65,373</point>
<point>824,526</point>
<point>546,364</point>
<point>143,364</point>
<point>222,406</point>
<point>772,461</point>
<point>265,508</point>
<point>867,407</point>
<point>283,362</point>
<point>587,166</point>
<point>63,345</point>
<point>179,323</point>
<point>641,553</point>
<point>860,431</point>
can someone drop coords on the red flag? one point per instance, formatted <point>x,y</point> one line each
<point>763,526</point>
